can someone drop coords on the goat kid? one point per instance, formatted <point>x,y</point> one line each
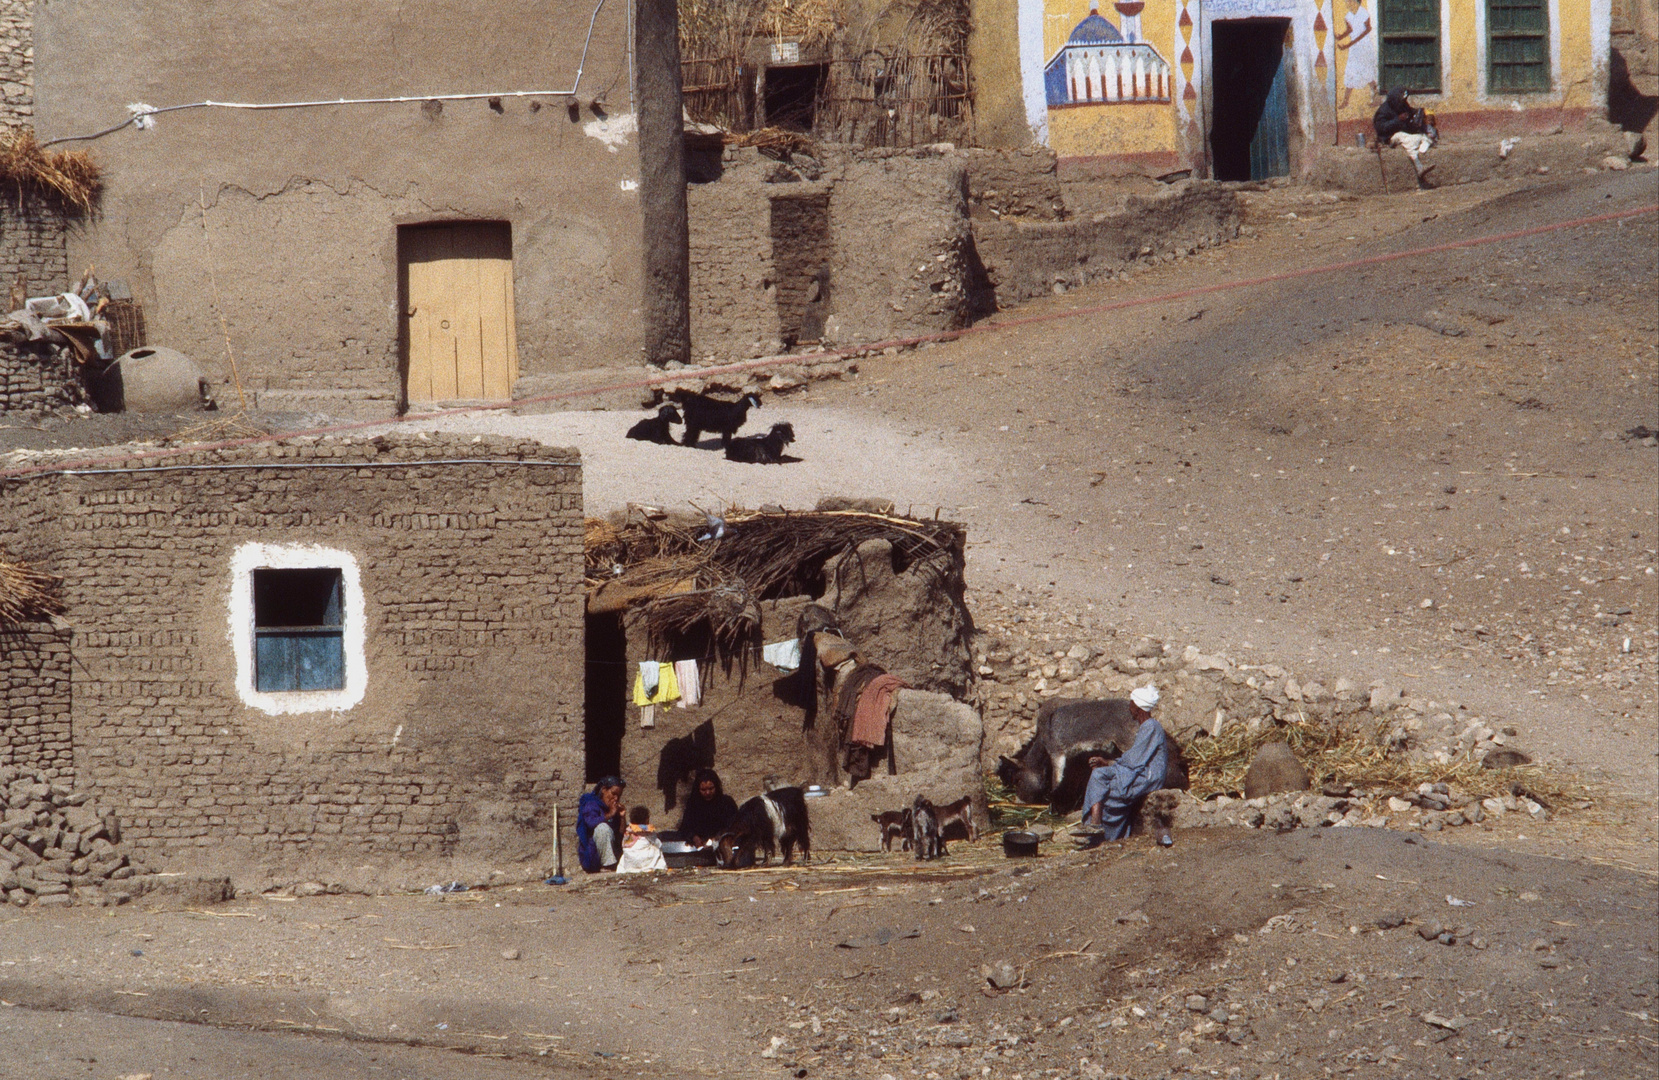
<point>766,822</point>
<point>924,830</point>
<point>957,819</point>
<point>764,449</point>
<point>654,429</point>
<point>704,413</point>
<point>894,825</point>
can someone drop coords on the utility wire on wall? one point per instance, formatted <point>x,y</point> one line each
<point>143,116</point>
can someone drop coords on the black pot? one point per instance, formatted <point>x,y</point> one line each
<point>1018,844</point>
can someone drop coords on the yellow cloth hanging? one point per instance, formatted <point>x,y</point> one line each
<point>668,687</point>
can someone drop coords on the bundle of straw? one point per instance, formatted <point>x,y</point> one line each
<point>70,175</point>
<point>26,594</point>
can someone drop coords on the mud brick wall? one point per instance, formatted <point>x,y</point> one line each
<point>33,244</point>
<point>35,698</point>
<point>31,381</point>
<point>469,729</point>
<point>1025,259</point>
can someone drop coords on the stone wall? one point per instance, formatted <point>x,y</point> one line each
<point>17,66</point>
<point>468,727</point>
<point>33,244</point>
<point>34,700</point>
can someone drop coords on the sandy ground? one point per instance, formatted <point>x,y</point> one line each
<point>1282,473</point>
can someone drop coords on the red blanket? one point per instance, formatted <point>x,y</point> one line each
<point>875,708</point>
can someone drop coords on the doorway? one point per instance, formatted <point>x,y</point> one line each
<point>791,99</point>
<point>455,285</point>
<point>1250,102</point>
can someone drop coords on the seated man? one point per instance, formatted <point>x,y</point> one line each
<point>1398,123</point>
<point>1115,787</point>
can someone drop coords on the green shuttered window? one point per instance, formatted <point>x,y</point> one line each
<point>1410,40</point>
<point>1517,45</point>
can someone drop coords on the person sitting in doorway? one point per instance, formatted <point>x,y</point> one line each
<point>1116,786</point>
<point>641,849</point>
<point>1398,123</point>
<point>708,811</point>
<point>599,825</point>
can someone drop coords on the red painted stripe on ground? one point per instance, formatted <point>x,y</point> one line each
<point>774,361</point>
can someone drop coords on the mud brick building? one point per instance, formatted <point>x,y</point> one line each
<point>313,654</point>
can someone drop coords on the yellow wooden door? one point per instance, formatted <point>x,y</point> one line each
<point>458,306</point>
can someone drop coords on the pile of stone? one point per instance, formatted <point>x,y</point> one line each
<point>1026,655</point>
<point>1431,808</point>
<point>56,847</point>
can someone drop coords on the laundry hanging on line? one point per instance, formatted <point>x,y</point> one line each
<point>655,684</point>
<point>783,655</point>
<point>691,683</point>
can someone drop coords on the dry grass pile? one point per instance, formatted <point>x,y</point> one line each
<point>69,175</point>
<point>26,594</point>
<point>774,142</point>
<point>1360,759</point>
<point>685,579</point>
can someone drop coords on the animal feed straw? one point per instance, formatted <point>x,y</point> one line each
<point>69,175</point>
<point>26,594</point>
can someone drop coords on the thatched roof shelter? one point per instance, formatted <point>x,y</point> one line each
<point>674,574</point>
<point>70,176</point>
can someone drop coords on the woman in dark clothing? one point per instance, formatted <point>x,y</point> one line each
<point>599,825</point>
<point>708,811</point>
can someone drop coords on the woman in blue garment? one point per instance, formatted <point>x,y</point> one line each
<point>599,825</point>
<point>1115,787</point>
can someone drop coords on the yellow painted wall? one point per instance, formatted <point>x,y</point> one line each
<point>1462,78</point>
<point>1088,130</point>
<point>994,53</point>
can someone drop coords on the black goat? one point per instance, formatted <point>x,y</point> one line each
<point>764,449</point>
<point>655,428</point>
<point>703,413</point>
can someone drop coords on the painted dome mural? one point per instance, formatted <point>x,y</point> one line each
<point>1103,64</point>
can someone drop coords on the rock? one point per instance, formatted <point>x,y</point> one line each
<point>1398,805</point>
<point>1281,819</point>
<point>1495,807</point>
<point>310,888</point>
<point>1534,810</point>
<point>1504,758</point>
<point>1430,930</point>
<point>1382,697</point>
<point>1617,163</point>
<point>1474,813</point>
<point>1002,975</point>
<point>1274,768</point>
<point>510,954</point>
<point>1198,1003</point>
<point>1345,687</point>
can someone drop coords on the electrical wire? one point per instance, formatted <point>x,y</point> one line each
<point>142,114</point>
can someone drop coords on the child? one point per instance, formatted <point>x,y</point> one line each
<point>641,851</point>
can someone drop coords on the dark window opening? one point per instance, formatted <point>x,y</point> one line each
<point>1410,40</point>
<point>1517,45</point>
<point>299,630</point>
<point>792,95</point>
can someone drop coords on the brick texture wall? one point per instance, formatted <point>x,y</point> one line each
<point>33,381</point>
<point>470,729</point>
<point>34,700</point>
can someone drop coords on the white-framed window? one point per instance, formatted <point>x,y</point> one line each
<point>296,626</point>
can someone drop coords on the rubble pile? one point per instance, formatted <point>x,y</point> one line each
<point>56,847</point>
<point>1025,655</point>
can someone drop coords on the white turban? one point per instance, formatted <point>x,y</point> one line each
<point>1146,697</point>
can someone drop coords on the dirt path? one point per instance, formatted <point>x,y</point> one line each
<point>1418,475</point>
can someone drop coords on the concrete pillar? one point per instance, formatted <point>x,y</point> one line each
<point>667,244</point>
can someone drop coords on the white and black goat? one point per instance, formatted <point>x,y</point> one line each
<point>704,413</point>
<point>655,428</point>
<point>764,449</point>
<point>925,840</point>
<point>767,822</point>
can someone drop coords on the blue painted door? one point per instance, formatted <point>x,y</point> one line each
<point>1270,146</point>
